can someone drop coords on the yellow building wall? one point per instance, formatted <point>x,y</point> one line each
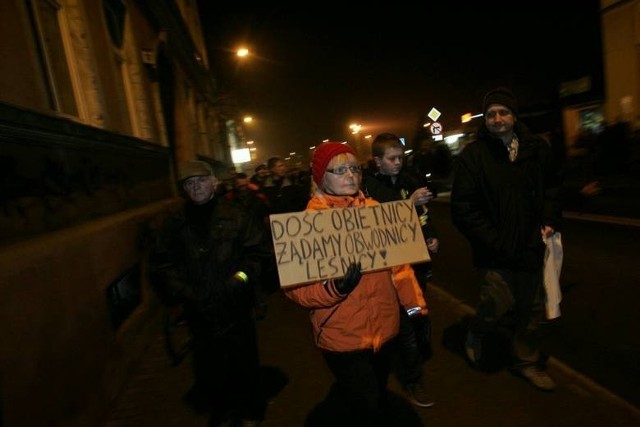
<point>621,51</point>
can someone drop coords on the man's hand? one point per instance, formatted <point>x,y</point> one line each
<point>546,231</point>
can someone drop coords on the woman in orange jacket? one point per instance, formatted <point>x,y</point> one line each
<point>354,318</point>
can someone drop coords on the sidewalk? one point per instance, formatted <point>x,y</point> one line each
<point>618,195</point>
<point>463,396</point>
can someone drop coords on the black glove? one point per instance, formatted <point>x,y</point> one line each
<point>350,280</point>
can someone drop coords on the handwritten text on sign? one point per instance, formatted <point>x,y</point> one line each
<point>319,245</point>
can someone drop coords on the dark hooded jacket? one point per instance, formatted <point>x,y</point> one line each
<point>500,206</point>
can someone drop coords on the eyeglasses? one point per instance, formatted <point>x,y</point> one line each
<point>341,170</point>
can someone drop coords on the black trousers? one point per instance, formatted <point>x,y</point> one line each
<point>519,292</point>
<point>412,347</point>
<point>226,371</point>
<point>361,384</point>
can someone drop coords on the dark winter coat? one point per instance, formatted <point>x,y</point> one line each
<point>500,206</point>
<point>285,195</point>
<point>381,188</point>
<point>200,249</point>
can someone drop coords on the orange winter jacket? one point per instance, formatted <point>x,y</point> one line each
<point>369,316</point>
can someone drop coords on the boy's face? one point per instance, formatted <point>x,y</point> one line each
<point>391,162</point>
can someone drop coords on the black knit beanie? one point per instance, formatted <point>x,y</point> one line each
<point>503,96</point>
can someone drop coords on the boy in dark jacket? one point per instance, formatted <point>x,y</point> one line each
<point>385,181</point>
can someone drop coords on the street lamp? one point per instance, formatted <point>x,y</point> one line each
<point>227,101</point>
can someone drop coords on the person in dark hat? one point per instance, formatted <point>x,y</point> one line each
<point>208,258</point>
<point>504,199</point>
<point>502,96</point>
<point>261,173</point>
<point>355,318</point>
<point>284,192</point>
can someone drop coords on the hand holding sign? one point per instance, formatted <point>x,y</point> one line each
<point>351,279</point>
<point>318,245</point>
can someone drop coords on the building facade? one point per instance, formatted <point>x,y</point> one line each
<point>620,100</point>
<point>99,100</point>
<point>621,53</point>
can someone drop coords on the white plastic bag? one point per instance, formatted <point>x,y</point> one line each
<point>552,270</point>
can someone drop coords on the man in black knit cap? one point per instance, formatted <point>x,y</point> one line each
<point>504,199</point>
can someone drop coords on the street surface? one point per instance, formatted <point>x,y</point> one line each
<point>599,331</point>
<point>593,352</point>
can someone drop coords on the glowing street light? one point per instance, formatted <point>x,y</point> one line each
<point>466,118</point>
<point>242,52</point>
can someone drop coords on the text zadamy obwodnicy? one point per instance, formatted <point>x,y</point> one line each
<point>318,245</point>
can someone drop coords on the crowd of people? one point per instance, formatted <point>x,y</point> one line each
<point>214,259</point>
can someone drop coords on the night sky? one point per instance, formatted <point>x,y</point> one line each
<point>319,68</point>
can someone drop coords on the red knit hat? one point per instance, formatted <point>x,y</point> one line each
<point>323,154</point>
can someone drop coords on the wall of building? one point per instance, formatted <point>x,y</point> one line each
<point>62,358</point>
<point>621,50</point>
<point>90,132</point>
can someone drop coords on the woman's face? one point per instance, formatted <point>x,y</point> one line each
<point>342,176</point>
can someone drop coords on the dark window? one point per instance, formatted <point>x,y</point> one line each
<point>115,12</point>
<point>123,296</point>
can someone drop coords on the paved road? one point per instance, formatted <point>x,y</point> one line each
<point>153,396</point>
<point>599,331</point>
<point>463,396</point>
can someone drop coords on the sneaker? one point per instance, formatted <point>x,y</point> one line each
<point>537,377</point>
<point>473,348</point>
<point>418,395</point>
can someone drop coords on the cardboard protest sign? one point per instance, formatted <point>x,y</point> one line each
<point>318,245</point>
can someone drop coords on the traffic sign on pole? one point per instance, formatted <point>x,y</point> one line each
<point>434,114</point>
